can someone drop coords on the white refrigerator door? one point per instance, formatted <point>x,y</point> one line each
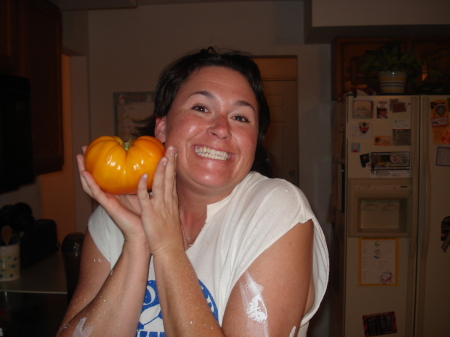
<point>433,290</point>
<point>362,299</point>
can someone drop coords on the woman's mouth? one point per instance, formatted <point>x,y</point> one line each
<point>206,152</point>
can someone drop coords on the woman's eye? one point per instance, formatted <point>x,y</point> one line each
<point>200,108</point>
<point>241,118</point>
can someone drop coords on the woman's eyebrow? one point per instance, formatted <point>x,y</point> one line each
<point>203,93</point>
<point>245,103</point>
<point>211,96</point>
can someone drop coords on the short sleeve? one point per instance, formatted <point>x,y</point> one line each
<point>98,224</point>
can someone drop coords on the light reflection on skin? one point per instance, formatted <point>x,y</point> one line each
<point>79,331</point>
<point>253,302</point>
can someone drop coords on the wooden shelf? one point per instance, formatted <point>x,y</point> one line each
<point>349,54</point>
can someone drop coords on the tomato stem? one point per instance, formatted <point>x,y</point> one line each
<point>127,145</point>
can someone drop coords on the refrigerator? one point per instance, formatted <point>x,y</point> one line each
<point>390,212</point>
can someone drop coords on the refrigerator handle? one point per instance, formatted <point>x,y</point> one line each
<point>426,176</point>
<point>415,177</point>
<point>415,105</point>
<point>341,186</point>
<point>425,217</point>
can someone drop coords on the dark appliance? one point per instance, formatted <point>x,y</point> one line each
<point>16,151</point>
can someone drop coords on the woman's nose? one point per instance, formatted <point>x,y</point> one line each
<point>220,127</point>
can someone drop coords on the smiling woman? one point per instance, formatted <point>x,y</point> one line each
<point>217,248</point>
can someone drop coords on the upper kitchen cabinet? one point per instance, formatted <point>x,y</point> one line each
<point>326,20</point>
<point>30,46</point>
<point>349,53</point>
<point>8,36</point>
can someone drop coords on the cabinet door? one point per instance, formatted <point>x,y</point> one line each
<point>40,61</point>
<point>8,35</point>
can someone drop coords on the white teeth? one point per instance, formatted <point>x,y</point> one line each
<point>204,151</point>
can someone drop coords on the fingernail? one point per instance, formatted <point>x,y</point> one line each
<point>172,150</point>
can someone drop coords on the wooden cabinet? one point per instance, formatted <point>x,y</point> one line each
<point>349,55</point>
<point>30,46</point>
<point>40,24</point>
<point>8,36</point>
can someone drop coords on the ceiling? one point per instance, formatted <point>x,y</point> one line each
<point>111,4</point>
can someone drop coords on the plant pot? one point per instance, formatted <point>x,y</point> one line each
<point>392,82</point>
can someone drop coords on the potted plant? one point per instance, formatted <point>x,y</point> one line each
<point>395,68</point>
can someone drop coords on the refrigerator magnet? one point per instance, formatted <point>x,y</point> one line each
<point>355,147</point>
<point>441,135</point>
<point>380,324</point>
<point>382,111</point>
<point>401,124</point>
<point>382,140</point>
<point>359,131</point>
<point>445,230</point>
<point>364,127</point>
<point>439,113</point>
<point>401,137</point>
<point>439,121</point>
<point>443,156</point>
<point>362,109</point>
<point>397,106</point>
<point>365,160</point>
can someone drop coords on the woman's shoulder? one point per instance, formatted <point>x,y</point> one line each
<point>275,190</point>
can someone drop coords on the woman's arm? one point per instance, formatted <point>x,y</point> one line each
<point>107,303</point>
<point>276,291</point>
<point>183,305</point>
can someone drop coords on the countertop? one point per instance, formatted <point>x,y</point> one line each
<point>44,277</point>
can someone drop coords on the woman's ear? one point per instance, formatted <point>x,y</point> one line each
<point>160,129</point>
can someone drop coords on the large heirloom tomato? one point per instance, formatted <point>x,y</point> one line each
<point>117,166</point>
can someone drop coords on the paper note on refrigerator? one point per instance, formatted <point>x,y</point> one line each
<point>378,261</point>
<point>440,121</point>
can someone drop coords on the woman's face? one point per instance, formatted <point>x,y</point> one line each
<point>213,123</point>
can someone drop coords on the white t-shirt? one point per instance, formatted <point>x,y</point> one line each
<point>237,230</point>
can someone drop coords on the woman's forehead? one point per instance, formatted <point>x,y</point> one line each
<point>216,76</point>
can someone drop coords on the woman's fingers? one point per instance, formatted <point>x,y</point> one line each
<point>159,179</point>
<point>164,188</point>
<point>93,189</point>
<point>81,169</point>
<point>160,211</point>
<point>142,192</point>
<point>169,177</point>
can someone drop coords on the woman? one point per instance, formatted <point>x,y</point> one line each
<point>213,228</point>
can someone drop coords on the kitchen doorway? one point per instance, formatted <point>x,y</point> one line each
<point>279,76</point>
<point>62,196</point>
<point>57,188</point>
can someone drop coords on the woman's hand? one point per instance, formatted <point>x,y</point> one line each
<point>125,210</point>
<point>160,214</point>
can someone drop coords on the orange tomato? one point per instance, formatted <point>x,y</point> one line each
<point>117,166</point>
